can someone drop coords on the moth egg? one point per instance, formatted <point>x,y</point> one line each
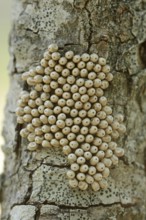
<point>103,124</point>
<point>46,129</point>
<point>114,160</point>
<point>66,150</point>
<point>81,65</point>
<point>94,160</point>
<point>71,136</point>
<point>54,75</point>
<point>104,84</point>
<point>69,122</point>
<point>100,167</point>
<point>25,76</point>
<point>70,174</point>
<point>82,185</point>
<point>38,131</point>
<point>81,160</point>
<point>97,68</point>
<point>97,83</point>
<point>72,158</point>
<point>92,75</point>
<point>102,61</point>
<point>73,183</point>
<point>58,68</point>
<point>79,152</point>
<point>98,176</point>
<point>66,87</point>
<point>33,94</point>
<point>24,132</point>
<point>38,79</point>
<point>47,55</point>
<point>80,138</point>
<point>89,138</point>
<point>100,154</point>
<point>32,146</point>
<point>77,120</point>
<point>73,144</point>
<point>80,82</point>
<point>84,130</point>
<point>103,184</point>
<point>88,83</point>
<point>97,141</point>
<point>48,70</point>
<point>64,141</point>
<point>75,167</point>
<point>54,128</point>
<point>40,69</point>
<point>69,55</point>
<point>99,92</point>
<point>65,72</point>
<point>55,56</point>
<point>103,147</point>
<point>81,176</point>
<point>82,113</point>
<point>86,147</point>
<point>106,172</point>
<point>94,57</point>
<point>107,138</point>
<point>47,79</point>
<point>106,69</point>
<point>89,179</point>
<point>90,65</point>
<point>35,112</point>
<point>87,155</point>
<point>95,121</point>
<point>83,73</point>
<point>70,65</point>
<point>87,106</point>
<point>93,149</point>
<point>53,48</point>
<point>115,135</point>
<point>61,116</point>
<point>27,118</point>
<point>84,168</point>
<point>30,127</point>
<point>52,120</point>
<point>119,152</point>
<point>54,143</point>
<point>59,135</point>
<point>60,123</point>
<point>108,153</point>
<point>95,186</point>
<point>76,58</point>
<point>122,128</point>
<point>93,130</point>
<point>109,77</point>
<point>75,129</point>
<point>74,88</point>
<point>107,162</point>
<point>75,72</point>
<point>61,80</point>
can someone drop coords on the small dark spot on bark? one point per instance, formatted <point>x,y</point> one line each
<point>145,159</point>
<point>142,53</point>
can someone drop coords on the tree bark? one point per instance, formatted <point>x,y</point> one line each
<point>34,184</point>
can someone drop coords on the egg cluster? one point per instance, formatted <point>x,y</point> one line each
<point>66,107</point>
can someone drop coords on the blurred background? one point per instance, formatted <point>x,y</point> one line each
<point>5,21</point>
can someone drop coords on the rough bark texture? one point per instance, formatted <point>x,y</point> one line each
<point>34,184</point>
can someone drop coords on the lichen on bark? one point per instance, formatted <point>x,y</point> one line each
<point>34,184</point>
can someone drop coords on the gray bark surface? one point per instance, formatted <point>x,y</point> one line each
<point>35,186</point>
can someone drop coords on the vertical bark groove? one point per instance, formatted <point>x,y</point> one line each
<point>34,184</point>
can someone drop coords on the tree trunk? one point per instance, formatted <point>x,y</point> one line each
<point>34,184</point>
